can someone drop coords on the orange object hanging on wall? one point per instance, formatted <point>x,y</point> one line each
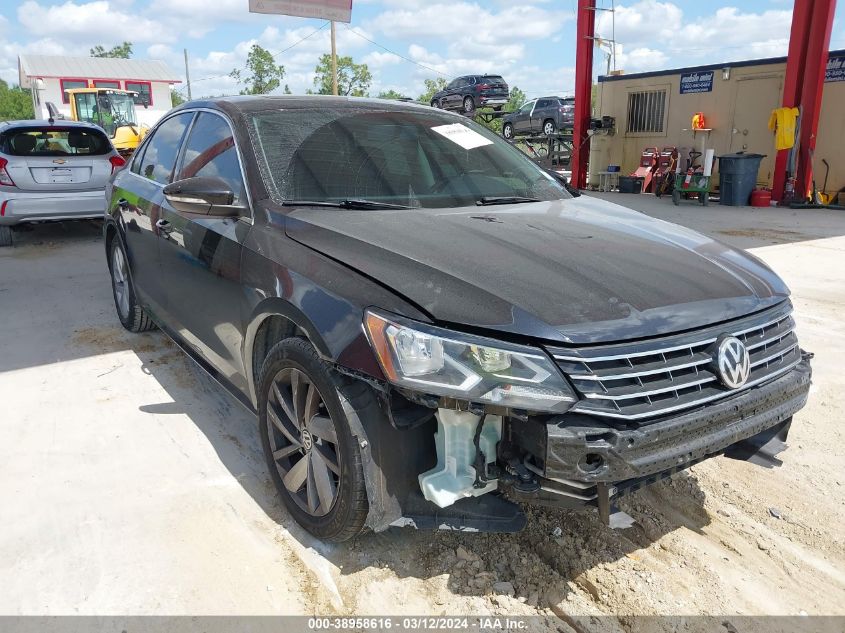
<point>698,121</point>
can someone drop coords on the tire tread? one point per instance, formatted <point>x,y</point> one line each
<point>5,236</point>
<point>360,397</point>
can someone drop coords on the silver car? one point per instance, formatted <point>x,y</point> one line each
<point>52,171</point>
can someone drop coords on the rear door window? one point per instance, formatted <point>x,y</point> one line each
<point>163,148</point>
<point>54,141</point>
<point>544,103</point>
<point>210,152</point>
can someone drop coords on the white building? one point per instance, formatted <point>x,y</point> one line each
<point>47,77</point>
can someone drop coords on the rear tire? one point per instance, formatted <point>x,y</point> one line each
<point>327,449</point>
<point>469,105</point>
<point>549,127</point>
<point>132,316</point>
<point>5,236</point>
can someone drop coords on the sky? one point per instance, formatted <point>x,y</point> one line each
<point>530,42</point>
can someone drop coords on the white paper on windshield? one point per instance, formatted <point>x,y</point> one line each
<point>462,135</point>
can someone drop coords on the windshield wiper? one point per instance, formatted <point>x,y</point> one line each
<point>349,203</point>
<point>490,200</point>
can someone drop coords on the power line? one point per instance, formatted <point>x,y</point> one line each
<point>399,55</point>
<point>275,55</point>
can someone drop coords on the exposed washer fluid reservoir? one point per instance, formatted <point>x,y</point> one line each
<point>453,477</point>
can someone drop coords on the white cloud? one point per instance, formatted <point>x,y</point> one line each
<point>89,21</point>
<point>378,59</point>
<point>468,22</point>
<point>659,35</point>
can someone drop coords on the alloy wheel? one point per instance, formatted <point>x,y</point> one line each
<point>120,281</point>
<point>549,128</point>
<point>303,440</point>
<point>469,104</point>
<point>507,131</point>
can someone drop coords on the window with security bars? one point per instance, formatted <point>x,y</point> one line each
<point>646,111</point>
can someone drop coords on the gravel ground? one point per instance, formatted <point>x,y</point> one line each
<point>132,484</point>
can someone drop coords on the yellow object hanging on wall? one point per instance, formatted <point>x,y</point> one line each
<point>782,123</point>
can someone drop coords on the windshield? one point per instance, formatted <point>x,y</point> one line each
<point>413,159</point>
<point>109,110</point>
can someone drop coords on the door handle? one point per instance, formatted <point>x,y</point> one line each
<point>164,226</point>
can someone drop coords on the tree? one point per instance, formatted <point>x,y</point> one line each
<point>432,86</point>
<point>15,103</point>
<point>353,80</point>
<point>176,98</point>
<point>121,51</point>
<point>262,75</point>
<point>391,94</point>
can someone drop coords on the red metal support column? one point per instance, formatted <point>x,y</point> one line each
<point>801,16</point>
<point>585,35</point>
<point>812,24</point>
<point>818,46</point>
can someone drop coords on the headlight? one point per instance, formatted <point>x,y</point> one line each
<point>445,363</point>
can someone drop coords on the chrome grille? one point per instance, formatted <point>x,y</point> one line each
<point>640,380</point>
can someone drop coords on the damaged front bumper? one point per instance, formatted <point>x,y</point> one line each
<point>566,461</point>
<point>580,461</point>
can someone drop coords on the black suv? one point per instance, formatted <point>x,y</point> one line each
<point>465,94</point>
<point>546,115</point>
<point>428,327</point>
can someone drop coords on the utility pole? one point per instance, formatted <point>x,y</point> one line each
<point>334,61</point>
<point>187,74</point>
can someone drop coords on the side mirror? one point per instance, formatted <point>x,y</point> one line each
<point>563,180</point>
<point>203,196</point>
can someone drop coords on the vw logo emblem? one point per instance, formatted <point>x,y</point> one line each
<point>733,365</point>
<point>307,440</point>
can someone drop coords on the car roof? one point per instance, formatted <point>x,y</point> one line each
<point>65,123</point>
<point>258,103</point>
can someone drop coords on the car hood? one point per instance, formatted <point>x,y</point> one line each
<point>577,270</point>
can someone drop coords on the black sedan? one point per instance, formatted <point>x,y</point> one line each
<point>429,328</point>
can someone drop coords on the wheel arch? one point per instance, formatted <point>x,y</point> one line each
<point>109,233</point>
<point>272,321</point>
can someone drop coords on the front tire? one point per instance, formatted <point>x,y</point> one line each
<point>5,236</point>
<point>507,131</point>
<point>313,458</point>
<point>435,104</point>
<point>132,316</point>
<point>549,127</point>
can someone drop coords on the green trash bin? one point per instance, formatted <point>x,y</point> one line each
<point>738,177</point>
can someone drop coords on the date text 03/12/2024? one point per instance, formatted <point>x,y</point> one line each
<point>409,623</point>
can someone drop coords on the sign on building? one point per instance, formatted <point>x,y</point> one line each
<point>335,10</point>
<point>835,68</point>
<point>696,82</point>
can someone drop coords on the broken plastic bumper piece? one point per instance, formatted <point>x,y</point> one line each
<point>582,463</point>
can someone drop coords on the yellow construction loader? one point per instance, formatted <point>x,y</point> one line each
<point>111,109</point>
